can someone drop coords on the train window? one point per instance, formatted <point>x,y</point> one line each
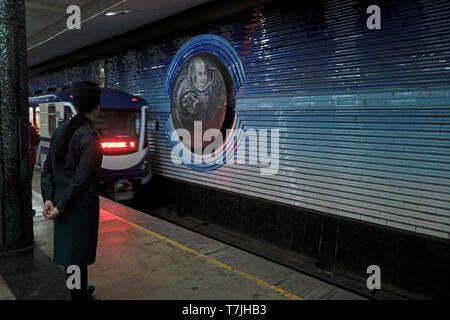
<point>51,118</point>
<point>31,115</point>
<point>67,113</point>
<point>117,124</point>
<point>145,135</point>
<point>37,124</point>
<point>138,125</point>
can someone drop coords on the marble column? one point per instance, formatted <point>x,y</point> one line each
<point>16,220</point>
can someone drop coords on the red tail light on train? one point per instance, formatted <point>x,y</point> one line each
<point>118,146</point>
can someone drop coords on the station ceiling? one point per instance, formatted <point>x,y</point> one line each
<point>48,36</point>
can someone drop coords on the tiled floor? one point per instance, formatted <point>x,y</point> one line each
<point>142,257</point>
<point>37,203</point>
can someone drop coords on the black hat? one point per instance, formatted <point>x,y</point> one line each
<point>85,89</point>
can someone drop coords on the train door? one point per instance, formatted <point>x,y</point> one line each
<point>52,119</point>
<point>47,120</point>
<point>44,118</point>
<point>68,114</point>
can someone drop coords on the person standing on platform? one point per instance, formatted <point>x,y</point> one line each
<point>33,142</point>
<point>70,183</point>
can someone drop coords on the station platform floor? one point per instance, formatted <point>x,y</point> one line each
<point>143,257</point>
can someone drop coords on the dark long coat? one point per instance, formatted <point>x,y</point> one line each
<point>73,188</point>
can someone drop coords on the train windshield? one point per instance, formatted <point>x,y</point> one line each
<point>119,130</point>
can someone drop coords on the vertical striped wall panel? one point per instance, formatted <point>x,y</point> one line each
<point>363,114</point>
<point>348,161</point>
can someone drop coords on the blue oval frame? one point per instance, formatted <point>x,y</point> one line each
<point>206,43</point>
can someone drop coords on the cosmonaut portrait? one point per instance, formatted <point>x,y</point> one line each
<point>199,94</point>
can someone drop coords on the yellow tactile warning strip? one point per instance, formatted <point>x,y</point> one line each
<point>209,259</point>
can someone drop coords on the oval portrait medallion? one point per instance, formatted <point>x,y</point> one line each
<point>201,92</point>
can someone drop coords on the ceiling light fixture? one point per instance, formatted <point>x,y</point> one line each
<point>116,13</point>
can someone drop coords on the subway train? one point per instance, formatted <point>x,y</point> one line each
<point>122,127</point>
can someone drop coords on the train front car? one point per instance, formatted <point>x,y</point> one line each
<point>122,126</point>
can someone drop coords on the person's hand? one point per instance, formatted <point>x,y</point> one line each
<point>188,99</point>
<point>48,207</point>
<point>190,102</point>
<point>53,213</point>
